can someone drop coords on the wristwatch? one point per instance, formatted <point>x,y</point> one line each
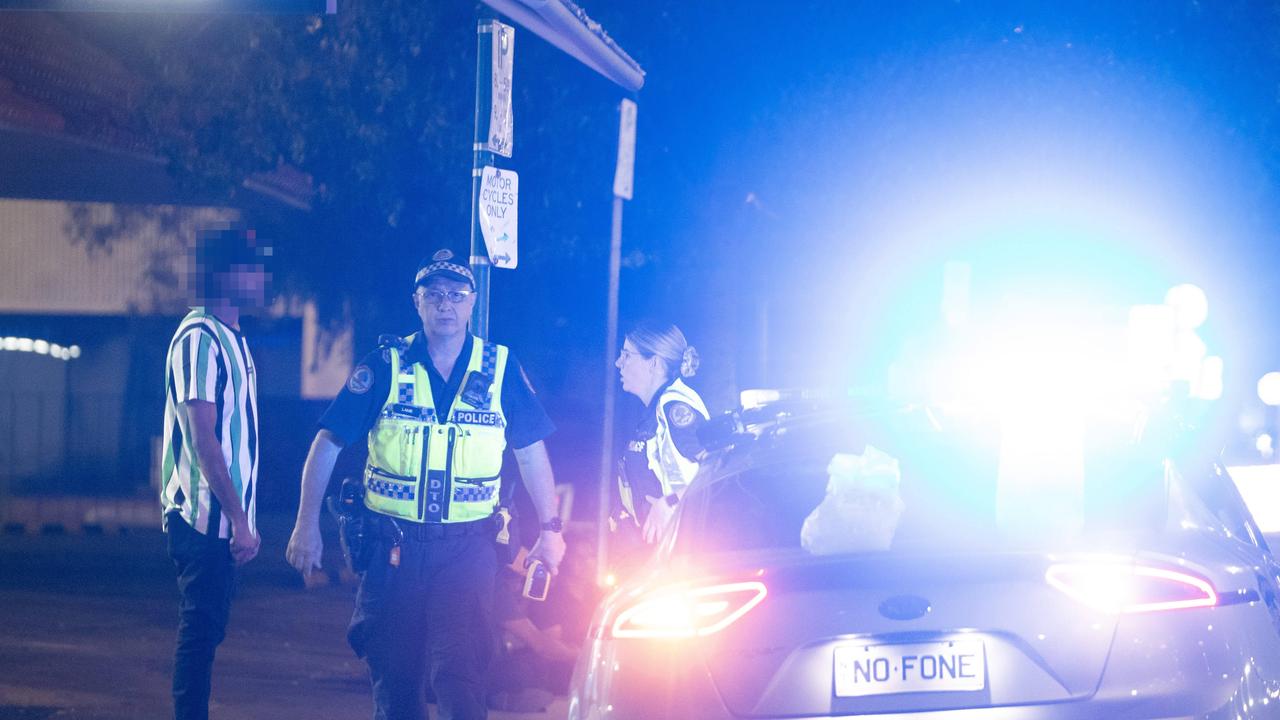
<point>554,525</point>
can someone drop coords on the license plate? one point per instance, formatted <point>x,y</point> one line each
<point>956,665</point>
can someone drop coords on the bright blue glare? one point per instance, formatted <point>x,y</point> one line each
<point>1062,176</point>
<point>1027,283</point>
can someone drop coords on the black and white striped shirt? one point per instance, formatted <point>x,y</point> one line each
<point>210,361</point>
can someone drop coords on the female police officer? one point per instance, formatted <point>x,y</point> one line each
<point>661,458</point>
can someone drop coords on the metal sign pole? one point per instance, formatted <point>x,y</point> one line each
<point>610,396</point>
<point>480,156</point>
<point>622,189</point>
<point>495,48</point>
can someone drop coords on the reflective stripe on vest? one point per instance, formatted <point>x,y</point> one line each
<point>674,470</point>
<point>426,470</point>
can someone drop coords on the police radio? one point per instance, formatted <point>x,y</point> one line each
<point>537,581</point>
<point>475,389</point>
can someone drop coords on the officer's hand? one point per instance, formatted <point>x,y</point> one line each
<point>244,543</point>
<point>659,516</point>
<point>549,549</point>
<point>305,547</point>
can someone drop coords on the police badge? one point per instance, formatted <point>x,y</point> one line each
<point>681,414</point>
<point>361,380</point>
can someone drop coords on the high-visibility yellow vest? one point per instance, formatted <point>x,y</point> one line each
<point>425,469</point>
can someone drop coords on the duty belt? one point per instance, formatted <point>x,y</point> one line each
<point>433,531</point>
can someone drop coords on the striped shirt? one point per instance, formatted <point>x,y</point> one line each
<point>209,361</point>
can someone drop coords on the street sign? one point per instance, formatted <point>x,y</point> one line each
<point>499,203</point>
<point>624,174</point>
<point>501,125</point>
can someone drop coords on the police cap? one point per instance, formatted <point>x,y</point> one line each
<point>443,264</point>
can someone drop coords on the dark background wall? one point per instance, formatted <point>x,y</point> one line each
<point>87,425</point>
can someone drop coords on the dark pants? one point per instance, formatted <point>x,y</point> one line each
<point>428,620</point>
<point>206,584</point>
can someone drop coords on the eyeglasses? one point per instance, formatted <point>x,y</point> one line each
<point>625,354</point>
<point>435,297</point>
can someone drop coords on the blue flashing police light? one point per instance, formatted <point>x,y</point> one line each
<point>1269,389</point>
<point>1061,359</point>
<point>1190,306</point>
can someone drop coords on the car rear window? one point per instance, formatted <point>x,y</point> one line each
<point>963,487</point>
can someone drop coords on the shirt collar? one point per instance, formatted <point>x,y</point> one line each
<point>417,351</point>
<point>204,312</point>
<point>657,395</point>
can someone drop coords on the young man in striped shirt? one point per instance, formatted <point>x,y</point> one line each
<point>210,468</point>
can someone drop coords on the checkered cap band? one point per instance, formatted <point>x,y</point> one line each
<point>445,266</point>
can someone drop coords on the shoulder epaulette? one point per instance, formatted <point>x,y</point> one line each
<point>388,341</point>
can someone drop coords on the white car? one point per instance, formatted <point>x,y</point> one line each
<point>1143,591</point>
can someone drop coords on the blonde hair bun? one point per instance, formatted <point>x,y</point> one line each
<point>689,363</point>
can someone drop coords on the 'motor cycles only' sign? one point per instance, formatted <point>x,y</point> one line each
<point>499,195</point>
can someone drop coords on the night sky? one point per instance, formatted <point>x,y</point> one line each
<point>842,152</point>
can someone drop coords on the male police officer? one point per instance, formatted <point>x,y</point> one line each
<point>438,409</point>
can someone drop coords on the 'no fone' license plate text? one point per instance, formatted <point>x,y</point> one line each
<point>957,665</point>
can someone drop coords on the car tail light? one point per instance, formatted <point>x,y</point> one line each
<point>688,612</point>
<point>1128,588</point>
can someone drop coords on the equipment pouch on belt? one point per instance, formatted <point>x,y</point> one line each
<point>507,539</point>
<point>356,526</point>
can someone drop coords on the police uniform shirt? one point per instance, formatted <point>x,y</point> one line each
<point>683,421</point>
<point>354,412</point>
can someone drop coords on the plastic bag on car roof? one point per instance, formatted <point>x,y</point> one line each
<point>861,509</point>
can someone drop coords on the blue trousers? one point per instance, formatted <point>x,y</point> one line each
<point>206,584</point>
<point>428,620</point>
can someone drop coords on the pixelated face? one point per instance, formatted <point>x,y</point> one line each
<point>635,370</point>
<point>444,306</point>
<point>244,285</point>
